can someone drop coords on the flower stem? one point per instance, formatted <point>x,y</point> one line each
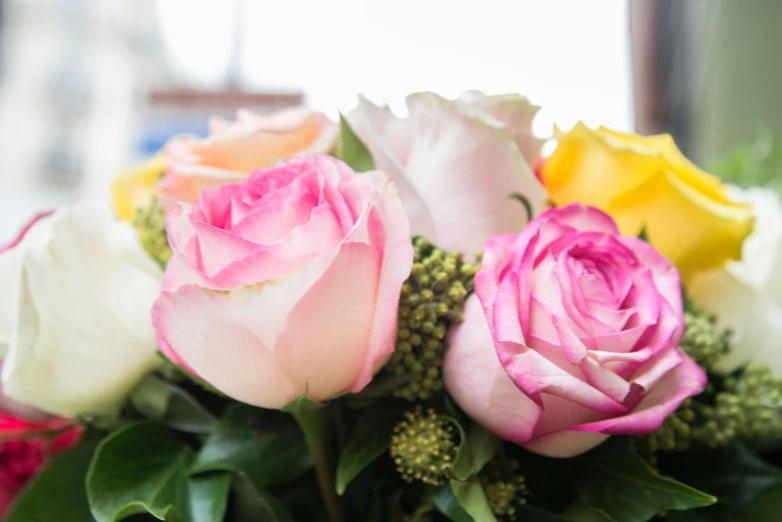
<point>316,426</point>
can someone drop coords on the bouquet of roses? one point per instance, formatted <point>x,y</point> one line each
<point>396,320</point>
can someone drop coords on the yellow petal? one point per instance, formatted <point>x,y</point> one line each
<point>647,181</point>
<point>134,187</point>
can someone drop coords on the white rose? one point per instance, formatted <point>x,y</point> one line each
<point>75,329</point>
<point>455,166</point>
<point>516,112</point>
<point>746,295</point>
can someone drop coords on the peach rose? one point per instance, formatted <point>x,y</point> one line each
<point>234,149</point>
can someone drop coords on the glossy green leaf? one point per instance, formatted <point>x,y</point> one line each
<point>369,439</point>
<point>167,403</point>
<point>464,502</point>
<point>143,468</point>
<point>621,484</point>
<point>268,457</point>
<point>579,513</point>
<point>253,503</point>
<point>350,149</point>
<point>57,492</point>
<point>476,449</point>
<point>733,473</point>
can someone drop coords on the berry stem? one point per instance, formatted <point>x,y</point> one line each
<point>316,426</point>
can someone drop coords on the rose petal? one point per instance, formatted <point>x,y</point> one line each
<point>479,384</point>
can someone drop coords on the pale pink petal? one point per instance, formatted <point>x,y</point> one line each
<point>327,336</point>
<point>686,380</point>
<point>479,384</point>
<point>655,369</point>
<point>535,374</point>
<point>465,165</point>
<point>389,141</point>
<point>565,444</point>
<point>605,380</point>
<point>585,218</point>
<point>198,325</point>
<point>389,231</point>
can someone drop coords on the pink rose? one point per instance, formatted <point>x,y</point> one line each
<point>27,445</point>
<point>572,336</point>
<point>286,282</point>
<point>456,167</point>
<point>234,149</point>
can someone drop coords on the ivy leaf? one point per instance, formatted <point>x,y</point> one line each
<point>57,492</point>
<point>620,483</point>
<point>267,457</point>
<point>475,451</point>
<point>464,502</point>
<point>583,513</point>
<point>350,149</point>
<point>143,468</point>
<point>252,503</point>
<point>167,403</point>
<point>733,473</point>
<point>369,439</point>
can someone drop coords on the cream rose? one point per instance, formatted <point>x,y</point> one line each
<point>746,295</point>
<point>75,329</point>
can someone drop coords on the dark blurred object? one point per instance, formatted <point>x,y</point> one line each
<point>661,33</point>
<point>707,72</point>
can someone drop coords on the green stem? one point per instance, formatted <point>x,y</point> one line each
<point>316,426</point>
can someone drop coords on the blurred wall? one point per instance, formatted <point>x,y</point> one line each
<point>707,71</point>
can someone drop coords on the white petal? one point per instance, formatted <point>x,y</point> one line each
<point>753,316</point>
<point>466,167</point>
<point>83,338</point>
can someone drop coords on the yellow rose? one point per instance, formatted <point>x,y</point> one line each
<point>135,187</point>
<point>647,182</point>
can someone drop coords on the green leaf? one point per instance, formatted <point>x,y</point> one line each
<point>521,198</point>
<point>643,235</point>
<point>252,503</point>
<point>143,468</point>
<point>733,473</point>
<point>582,513</point>
<point>350,149</point>
<point>268,457</point>
<point>369,439</point>
<point>208,497</point>
<point>475,451</point>
<point>767,509</point>
<point>167,403</point>
<point>464,502</point>
<point>620,483</point>
<point>57,492</point>
<point>446,503</point>
<point>483,447</point>
<point>715,513</point>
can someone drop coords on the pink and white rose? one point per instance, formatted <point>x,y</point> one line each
<point>456,167</point>
<point>572,335</point>
<point>234,149</point>
<point>287,282</point>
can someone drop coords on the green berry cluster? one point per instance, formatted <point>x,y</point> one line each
<point>430,302</point>
<point>423,446</point>
<point>674,435</point>
<point>150,224</point>
<point>746,404</point>
<point>505,488</point>
<point>749,406</point>
<point>703,340</point>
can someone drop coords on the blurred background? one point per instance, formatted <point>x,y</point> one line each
<point>88,86</point>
